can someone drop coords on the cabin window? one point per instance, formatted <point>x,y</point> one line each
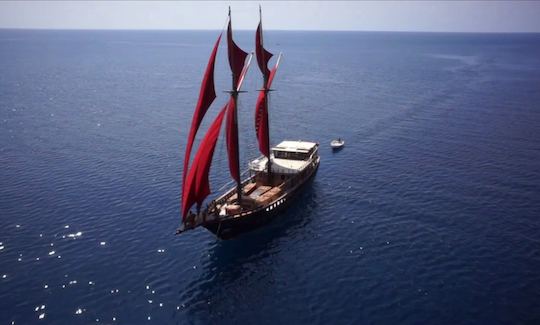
<point>290,155</point>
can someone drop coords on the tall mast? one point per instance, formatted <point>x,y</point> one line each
<point>235,53</point>
<point>266,90</point>
<point>234,94</point>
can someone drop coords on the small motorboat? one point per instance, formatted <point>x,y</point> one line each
<point>337,144</point>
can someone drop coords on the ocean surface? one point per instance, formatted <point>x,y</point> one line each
<point>429,215</point>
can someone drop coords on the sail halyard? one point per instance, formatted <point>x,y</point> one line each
<point>207,95</point>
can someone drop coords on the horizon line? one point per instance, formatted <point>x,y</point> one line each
<point>275,30</point>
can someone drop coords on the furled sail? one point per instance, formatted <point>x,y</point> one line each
<point>207,95</point>
<point>196,185</point>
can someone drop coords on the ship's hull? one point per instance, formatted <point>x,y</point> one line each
<point>230,228</point>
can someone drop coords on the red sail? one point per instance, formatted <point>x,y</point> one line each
<point>236,56</point>
<point>263,56</point>
<point>206,97</point>
<point>232,139</point>
<point>196,186</point>
<point>243,74</point>
<point>261,114</point>
<point>261,123</point>
<point>272,74</point>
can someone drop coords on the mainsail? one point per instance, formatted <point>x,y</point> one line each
<point>197,187</point>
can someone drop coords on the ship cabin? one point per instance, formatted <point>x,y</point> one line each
<point>292,163</point>
<point>288,159</point>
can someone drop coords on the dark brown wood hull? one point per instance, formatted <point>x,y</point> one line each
<point>231,228</point>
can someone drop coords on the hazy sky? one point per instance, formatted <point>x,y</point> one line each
<point>457,16</point>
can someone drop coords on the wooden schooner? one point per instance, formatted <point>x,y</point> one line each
<point>274,178</point>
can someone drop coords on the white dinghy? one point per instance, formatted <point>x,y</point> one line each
<point>337,144</point>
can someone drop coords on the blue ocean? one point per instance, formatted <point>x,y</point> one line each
<point>429,215</point>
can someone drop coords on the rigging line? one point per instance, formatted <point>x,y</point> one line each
<point>232,181</point>
<point>225,185</point>
<point>226,21</point>
<point>222,29</point>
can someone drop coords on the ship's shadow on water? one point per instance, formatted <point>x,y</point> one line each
<point>239,270</point>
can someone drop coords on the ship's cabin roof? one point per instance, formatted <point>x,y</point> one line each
<point>288,157</point>
<point>295,146</point>
<point>292,156</point>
